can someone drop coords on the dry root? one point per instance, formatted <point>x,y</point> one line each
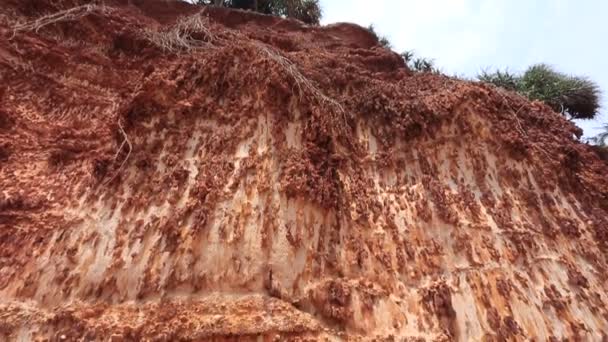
<point>305,86</point>
<point>65,15</point>
<point>515,114</point>
<point>182,36</point>
<point>130,147</point>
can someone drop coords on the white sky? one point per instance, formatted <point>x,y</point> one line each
<point>466,36</point>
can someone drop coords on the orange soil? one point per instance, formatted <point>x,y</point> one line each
<point>278,180</point>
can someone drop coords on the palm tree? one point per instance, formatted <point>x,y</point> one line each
<point>602,138</point>
<point>418,64</point>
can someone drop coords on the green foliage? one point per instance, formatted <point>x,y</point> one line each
<point>383,40</point>
<point>577,97</point>
<point>308,11</point>
<point>602,138</point>
<point>418,64</point>
<point>503,79</point>
<point>600,144</point>
<point>408,56</point>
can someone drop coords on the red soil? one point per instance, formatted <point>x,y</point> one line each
<point>280,180</point>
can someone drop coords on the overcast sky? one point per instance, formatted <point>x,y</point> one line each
<point>465,36</point>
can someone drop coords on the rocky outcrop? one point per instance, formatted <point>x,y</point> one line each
<point>176,174</point>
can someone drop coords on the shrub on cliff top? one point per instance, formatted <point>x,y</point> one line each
<point>308,11</point>
<point>503,79</point>
<point>383,40</point>
<point>574,96</point>
<point>419,64</point>
<point>416,64</point>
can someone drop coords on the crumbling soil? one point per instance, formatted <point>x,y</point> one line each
<point>175,174</point>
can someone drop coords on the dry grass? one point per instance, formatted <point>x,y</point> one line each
<point>61,16</point>
<point>181,37</point>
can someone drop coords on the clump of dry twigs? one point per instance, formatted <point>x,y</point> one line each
<point>65,15</point>
<point>186,34</point>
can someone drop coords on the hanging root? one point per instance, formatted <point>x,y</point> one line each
<point>304,84</point>
<point>501,92</point>
<point>65,15</point>
<point>124,161</point>
<point>184,35</point>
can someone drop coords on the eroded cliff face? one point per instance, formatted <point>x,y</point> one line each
<point>229,175</point>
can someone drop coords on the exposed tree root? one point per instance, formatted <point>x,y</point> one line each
<point>122,164</point>
<point>305,85</point>
<point>65,15</point>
